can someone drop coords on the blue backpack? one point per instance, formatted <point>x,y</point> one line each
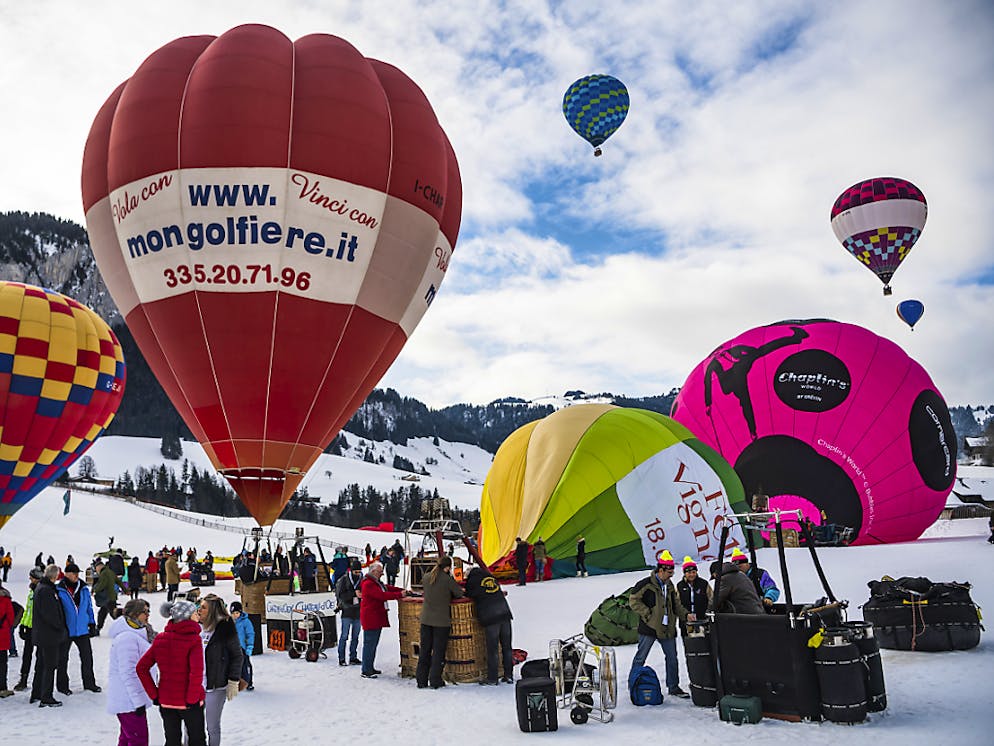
<point>643,686</point>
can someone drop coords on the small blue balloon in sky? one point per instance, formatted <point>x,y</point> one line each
<point>910,311</point>
<point>595,106</point>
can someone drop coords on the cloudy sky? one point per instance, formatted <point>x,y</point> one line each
<point>707,215</point>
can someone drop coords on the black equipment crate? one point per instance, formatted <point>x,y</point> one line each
<point>536,702</point>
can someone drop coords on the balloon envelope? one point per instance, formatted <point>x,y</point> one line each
<point>273,219</point>
<point>878,221</point>
<point>61,382</point>
<point>632,482</point>
<point>595,106</point>
<point>910,311</point>
<point>831,419</point>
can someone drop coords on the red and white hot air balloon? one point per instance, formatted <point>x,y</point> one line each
<point>273,218</point>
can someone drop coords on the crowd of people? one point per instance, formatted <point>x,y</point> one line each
<point>202,658</point>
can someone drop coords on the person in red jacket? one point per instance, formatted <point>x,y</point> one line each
<point>152,568</point>
<point>6,625</point>
<point>179,653</point>
<point>373,615</point>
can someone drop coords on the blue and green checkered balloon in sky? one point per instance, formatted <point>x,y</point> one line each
<point>595,106</point>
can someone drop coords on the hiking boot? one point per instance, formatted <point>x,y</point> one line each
<point>21,685</point>
<point>342,663</point>
<point>507,679</point>
<point>50,703</point>
<point>678,692</point>
<point>355,662</point>
<point>4,693</point>
<point>95,689</point>
<point>377,671</point>
<point>13,653</point>
<point>368,675</point>
<point>67,692</point>
<point>437,685</point>
<point>488,682</point>
<point>584,574</point>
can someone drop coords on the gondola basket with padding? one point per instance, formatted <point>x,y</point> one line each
<point>917,614</point>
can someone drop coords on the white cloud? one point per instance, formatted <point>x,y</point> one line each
<point>725,170</point>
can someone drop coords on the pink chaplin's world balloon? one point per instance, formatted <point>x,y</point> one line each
<point>829,418</point>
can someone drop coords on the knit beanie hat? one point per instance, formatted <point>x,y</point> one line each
<point>178,611</point>
<point>664,559</point>
<point>235,606</point>
<point>738,556</point>
<point>689,564</point>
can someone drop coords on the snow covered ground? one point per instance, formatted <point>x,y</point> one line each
<point>933,698</point>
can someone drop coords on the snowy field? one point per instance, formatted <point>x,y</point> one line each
<point>933,698</point>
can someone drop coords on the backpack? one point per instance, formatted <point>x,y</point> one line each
<point>613,622</point>
<point>643,687</point>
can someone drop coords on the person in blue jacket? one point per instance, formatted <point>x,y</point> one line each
<point>339,565</point>
<point>75,597</point>
<point>246,638</point>
<point>765,586</point>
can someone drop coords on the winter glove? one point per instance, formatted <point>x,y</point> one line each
<point>140,710</point>
<point>231,690</point>
<point>93,630</point>
<point>25,633</point>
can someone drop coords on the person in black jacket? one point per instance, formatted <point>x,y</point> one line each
<point>281,565</point>
<point>494,615</point>
<point>347,592</point>
<point>736,593</point>
<point>695,592</point>
<point>48,633</point>
<point>521,559</point>
<point>222,659</point>
<point>135,573</point>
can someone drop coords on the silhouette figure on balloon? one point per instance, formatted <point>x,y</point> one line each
<point>735,379</point>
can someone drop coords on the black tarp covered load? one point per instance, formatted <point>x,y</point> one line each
<point>917,614</point>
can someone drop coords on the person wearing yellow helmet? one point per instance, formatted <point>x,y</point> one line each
<point>695,592</point>
<point>658,606</point>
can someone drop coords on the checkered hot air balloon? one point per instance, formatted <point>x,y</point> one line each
<point>595,106</point>
<point>878,221</point>
<point>61,382</point>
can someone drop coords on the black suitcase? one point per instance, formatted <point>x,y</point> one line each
<point>536,700</point>
<point>536,667</point>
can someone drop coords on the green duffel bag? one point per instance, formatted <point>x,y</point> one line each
<point>613,622</point>
<point>737,709</point>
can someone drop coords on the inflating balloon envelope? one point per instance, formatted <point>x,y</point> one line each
<point>831,419</point>
<point>273,219</point>
<point>630,481</point>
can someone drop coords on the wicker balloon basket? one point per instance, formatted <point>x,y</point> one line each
<point>254,598</point>
<point>466,653</point>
